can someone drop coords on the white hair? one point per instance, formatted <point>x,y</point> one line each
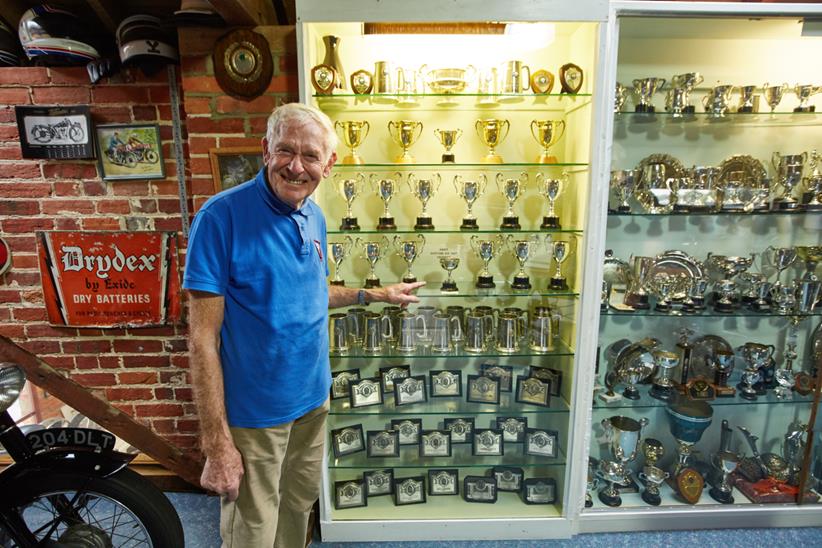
<point>301,114</point>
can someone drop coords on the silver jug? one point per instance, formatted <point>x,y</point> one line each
<point>458,312</point>
<point>443,327</point>
<point>412,330</point>
<point>393,313</point>
<point>338,333</point>
<point>477,325</point>
<point>377,330</point>
<point>356,323</point>
<point>544,328</point>
<point>507,333</point>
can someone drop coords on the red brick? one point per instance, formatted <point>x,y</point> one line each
<point>144,113</point>
<point>23,278</point>
<point>175,345</point>
<point>200,166</point>
<point>61,95</point>
<point>200,84</point>
<point>198,105</point>
<point>109,362</point>
<point>183,394</point>
<point>169,206</point>
<point>14,331</point>
<point>86,346</point>
<point>159,95</point>
<point>24,189</point>
<point>101,224</point>
<point>9,296</point>
<point>66,189</point>
<point>41,346</point>
<point>60,362</point>
<point>174,225</point>
<point>33,297</point>
<point>68,170</point>
<point>120,94</point>
<point>20,170</point>
<point>144,206</point>
<point>138,377</point>
<point>29,314</point>
<point>202,186</point>
<point>22,244</point>
<point>27,225</point>
<point>164,188</point>
<point>164,393</point>
<point>284,83</point>
<point>164,426</point>
<point>111,115</point>
<point>9,133</point>
<point>19,207</point>
<point>24,261</point>
<point>201,145</point>
<point>69,75</point>
<point>257,125</point>
<point>158,410</point>
<point>94,188</point>
<point>183,442</point>
<point>166,133</point>
<point>128,409</point>
<point>128,394</point>
<point>229,105</point>
<point>91,332</point>
<point>138,345</point>
<point>130,188</point>
<point>188,425</point>
<point>95,379</point>
<point>15,96</point>
<point>86,362</point>
<point>250,142</point>
<point>68,206</point>
<point>7,114</point>
<point>164,113</point>
<point>287,63</point>
<point>10,152</point>
<point>113,206</point>
<point>67,223</point>
<point>211,125</point>
<point>23,76</point>
<point>190,64</point>
<point>145,361</point>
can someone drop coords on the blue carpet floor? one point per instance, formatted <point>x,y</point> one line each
<point>200,515</point>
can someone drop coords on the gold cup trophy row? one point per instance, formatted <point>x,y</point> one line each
<point>491,131</point>
<point>469,189</point>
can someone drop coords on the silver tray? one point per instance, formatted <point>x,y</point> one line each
<point>677,263</point>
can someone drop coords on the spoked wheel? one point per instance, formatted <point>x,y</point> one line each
<point>123,510</point>
<point>76,133</point>
<point>152,156</point>
<point>42,133</point>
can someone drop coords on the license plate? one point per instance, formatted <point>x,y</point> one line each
<point>71,437</point>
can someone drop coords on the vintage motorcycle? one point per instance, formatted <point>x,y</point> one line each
<point>63,131</point>
<point>122,156</point>
<point>68,488</point>
<point>144,152</point>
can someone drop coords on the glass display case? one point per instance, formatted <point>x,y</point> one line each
<point>709,316</point>
<point>465,161</point>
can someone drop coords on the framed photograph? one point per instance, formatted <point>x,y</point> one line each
<point>388,374</point>
<point>443,481</point>
<point>533,391</point>
<point>435,443</point>
<point>408,430</point>
<point>479,489</point>
<point>539,491</point>
<point>130,151</point>
<point>378,482</point>
<point>503,373</point>
<point>547,374</point>
<point>509,478</point>
<point>383,443</point>
<point>513,428</point>
<point>410,390</point>
<point>340,381</point>
<point>541,443</point>
<point>409,490</point>
<point>347,440</point>
<point>231,166</point>
<point>461,429</point>
<point>365,392</point>
<point>482,389</point>
<point>487,443</point>
<point>446,383</point>
<point>349,494</point>
<point>55,133</point>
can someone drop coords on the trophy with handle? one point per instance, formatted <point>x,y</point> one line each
<point>559,251</point>
<point>550,188</point>
<point>448,138</point>
<point>405,133</point>
<point>492,132</point>
<point>522,251</point>
<point>547,133</point>
<point>339,251</point>
<point>470,190</point>
<point>385,189</point>
<point>773,94</point>
<point>372,251</point>
<point>511,189</point>
<point>485,250</point>
<point>424,190</point>
<point>354,133</point>
<point>409,250</point>
<point>449,263</point>
<point>349,189</point>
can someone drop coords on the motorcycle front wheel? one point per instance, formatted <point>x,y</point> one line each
<point>123,510</point>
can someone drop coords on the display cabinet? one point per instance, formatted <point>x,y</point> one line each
<point>465,158</point>
<point>706,362</point>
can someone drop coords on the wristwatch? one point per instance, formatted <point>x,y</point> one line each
<point>361,297</point>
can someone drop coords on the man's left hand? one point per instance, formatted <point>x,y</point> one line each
<point>401,293</point>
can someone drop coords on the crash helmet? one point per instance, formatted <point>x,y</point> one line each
<point>53,36</point>
<point>9,47</point>
<point>144,42</point>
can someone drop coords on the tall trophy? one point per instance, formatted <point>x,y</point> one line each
<point>405,133</point>
<point>449,263</point>
<point>804,93</point>
<point>652,475</point>
<point>522,250</point>
<point>448,138</point>
<point>725,462</point>
<point>470,191</point>
<point>550,188</point>
<point>678,101</point>
<point>338,252</point>
<point>354,133</point>
<point>789,168</point>
<point>746,99</point>
<point>663,385</point>
<point>385,189</point>
<point>622,435</point>
<point>644,89</point>
<point>773,94</point>
<point>812,196</point>
<point>424,189</point>
<point>372,252</point>
<point>511,189</point>
<point>409,250</point>
<point>492,132</point>
<point>559,252</point>
<point>485,250</point>
<point>547,133</point>
<point>349,189</point>
<point>687,422</point>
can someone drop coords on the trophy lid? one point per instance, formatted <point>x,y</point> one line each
<point>694,411</point>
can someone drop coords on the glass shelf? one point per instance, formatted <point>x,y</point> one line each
<point>708,313</point>
<point>739,214</point>
<point>703,119</point>
<point>453,167</point>
<point>467,289</point>
<point>560,349</point>
<point>647,402</point>
<point>453,230</point>
<point>477,102</point>
<point>450,406</point>
<point>461,457</point>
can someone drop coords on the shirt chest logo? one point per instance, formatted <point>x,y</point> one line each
<point>319,249</point>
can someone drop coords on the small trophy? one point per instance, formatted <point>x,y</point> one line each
<point>522,250</point>
<point>409,250</point>
<point>485,250</point>
<point>722,363</point>
<point>372,252</point>
<point>620,96</point>
<point>385,189</point>
<point>324,79</point>
<point>725,462</point>
<point>550,188</point>
<point>663,385</point>
<point>354,133</point>
<point>652,475</point>
<point>773,94</point>
<point>448,138</point>
<point>349,189</point>
<point>717,100</point>
<point>470,191</point>
<point>512,189</point>
<point>405,133</point>
<point>746,99</point>
<point>362,82</point>
<point>547,133</point>
<point>449,263</point>
<point>559,251</point>
<point>624,183</point>
<point>789,168</point>
<point>492,132</point>
<point>338,252</point>
<point>804,93</point>
<point>644,89</point>
<point>678,101</point>
<point>424,189</point>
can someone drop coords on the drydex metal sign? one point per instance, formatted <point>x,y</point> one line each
<point>110,279</point>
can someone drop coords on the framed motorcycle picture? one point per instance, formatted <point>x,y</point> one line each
<point>231,166</point>
<point>57,133</point>
<point>130,151</point>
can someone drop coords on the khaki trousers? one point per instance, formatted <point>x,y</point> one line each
<point>283,466</point>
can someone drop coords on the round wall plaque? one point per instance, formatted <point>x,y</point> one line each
<point>242,64</point>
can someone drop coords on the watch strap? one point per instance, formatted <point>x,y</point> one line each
<point>361,297</point>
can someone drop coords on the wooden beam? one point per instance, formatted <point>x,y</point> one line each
<point>108,12</point>
<point>245,13</point>
<point>12,11</point>
<point>100,411</point>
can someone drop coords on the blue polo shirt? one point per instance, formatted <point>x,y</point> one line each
<point>268,261</point>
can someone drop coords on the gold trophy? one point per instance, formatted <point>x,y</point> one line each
<point>385,189</point>
<point>448,138</point>
<point>492,132</point>
<point>349,189</point>
<point>547,133</point>
<point>405,133</point>
<point>511,189</point>
<point>470,191</point>
<point>424,189</point>
<point>354,133</point>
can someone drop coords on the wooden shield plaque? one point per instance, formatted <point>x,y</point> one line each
<point>242,64</point>
<point>690,485</point>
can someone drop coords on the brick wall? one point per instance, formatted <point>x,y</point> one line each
<point>142,371</point>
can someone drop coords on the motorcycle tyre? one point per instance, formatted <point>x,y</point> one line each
<point>76,133</point>
<point>152,156</point>
<point>135,493</point>
<point>129,159</point>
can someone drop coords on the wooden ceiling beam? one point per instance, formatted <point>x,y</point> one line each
<point>245,13</point>
<point>109,12</point>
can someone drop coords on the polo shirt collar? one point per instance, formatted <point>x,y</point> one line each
<point>279,207</point>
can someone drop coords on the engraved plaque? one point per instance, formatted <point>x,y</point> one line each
<point>487,442</point>
<point>443,481</point>
<point>483,389</point>
<point>446,383</point>
<point>513,428</point>
<point>460,429</point>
